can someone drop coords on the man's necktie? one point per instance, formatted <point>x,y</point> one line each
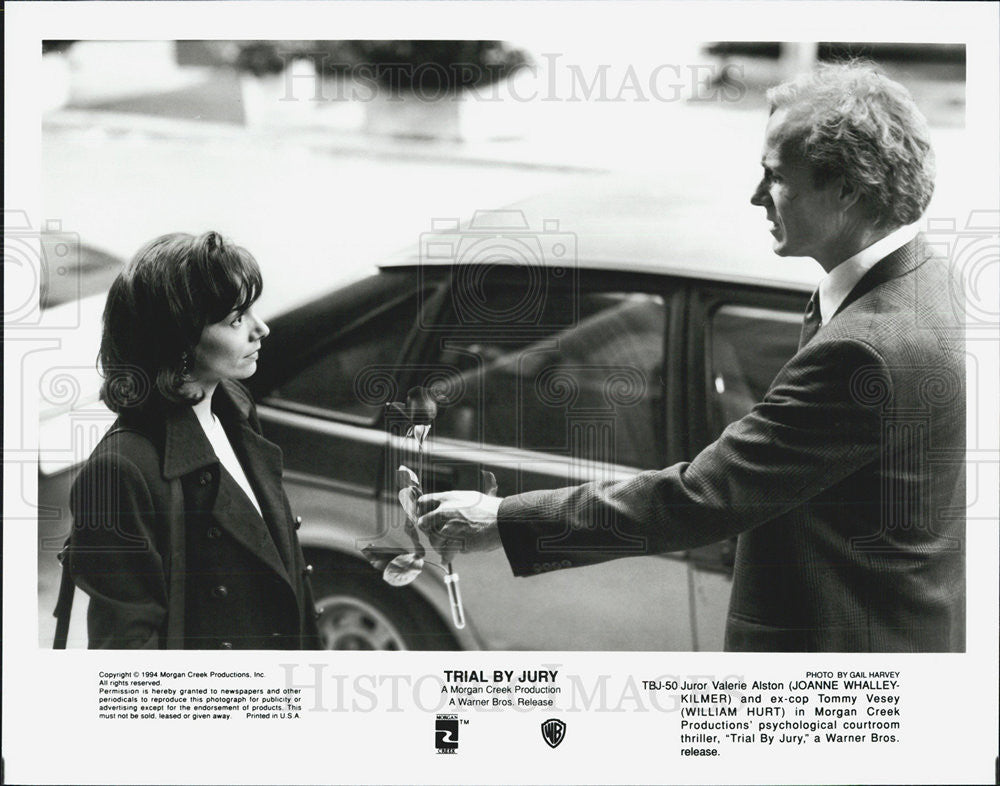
<point>811,320</point>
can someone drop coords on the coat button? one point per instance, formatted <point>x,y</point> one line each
<point>226,645</point>
<point>298,522</point>
<point>205,478</point>
<point>213,533</point>
<point>308,570</point>
<point>220,591</point>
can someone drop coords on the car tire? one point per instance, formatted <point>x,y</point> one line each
<point>357,610</point>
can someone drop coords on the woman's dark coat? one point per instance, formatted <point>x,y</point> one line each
<point>171,551</point>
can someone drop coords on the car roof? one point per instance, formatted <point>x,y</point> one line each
<point>640,223</point>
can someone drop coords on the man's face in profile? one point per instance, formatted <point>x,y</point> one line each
<point>805,217</point>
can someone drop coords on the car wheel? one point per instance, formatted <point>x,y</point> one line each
<point>358,611</point>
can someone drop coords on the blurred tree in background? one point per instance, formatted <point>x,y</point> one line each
<point>424,65</point>
<point>445,66</point>
<point>56,46</point>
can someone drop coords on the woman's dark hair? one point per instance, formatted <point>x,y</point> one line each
<point>156,310</point>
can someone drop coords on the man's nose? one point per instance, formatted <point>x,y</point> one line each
<point>759,195</point>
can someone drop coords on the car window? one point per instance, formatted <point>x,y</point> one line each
<point>330,384</point>
<point>746,349</point>
<point>585,381</point>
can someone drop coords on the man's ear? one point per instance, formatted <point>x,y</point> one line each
<point>848,193</point>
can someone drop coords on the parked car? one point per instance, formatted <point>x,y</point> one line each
<point>574,337</point>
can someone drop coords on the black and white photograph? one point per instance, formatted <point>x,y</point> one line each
<point>551,391</point>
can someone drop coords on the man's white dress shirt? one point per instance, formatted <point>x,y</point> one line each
<point>839,282</point>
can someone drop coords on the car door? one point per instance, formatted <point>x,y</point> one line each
<point>550,378</point>
<point>739,338</point>
<point>324,387</point>
<point>332,365</point>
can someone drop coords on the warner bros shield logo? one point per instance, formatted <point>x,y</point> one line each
<point>553,732</point>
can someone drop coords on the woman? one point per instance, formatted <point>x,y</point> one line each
<point>183,536</point>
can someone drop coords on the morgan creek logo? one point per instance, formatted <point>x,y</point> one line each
<point>446,734</point>
<point>553,732</point>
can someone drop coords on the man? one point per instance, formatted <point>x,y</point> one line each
<point>845,484</point>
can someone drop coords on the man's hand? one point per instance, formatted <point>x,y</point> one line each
<point>458,522</point>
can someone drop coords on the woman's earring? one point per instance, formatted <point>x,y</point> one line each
<point>186,366</point>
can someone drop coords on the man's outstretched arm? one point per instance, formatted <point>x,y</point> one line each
<point>810,432</point>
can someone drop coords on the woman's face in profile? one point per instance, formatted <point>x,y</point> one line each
<point>228,349</point>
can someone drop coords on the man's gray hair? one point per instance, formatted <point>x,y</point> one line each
<point>857,123</point>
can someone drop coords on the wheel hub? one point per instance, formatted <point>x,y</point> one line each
<point>349,623</point>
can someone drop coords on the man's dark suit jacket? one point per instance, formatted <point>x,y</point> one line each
<point>171,550</point>
<point>845,485</point>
